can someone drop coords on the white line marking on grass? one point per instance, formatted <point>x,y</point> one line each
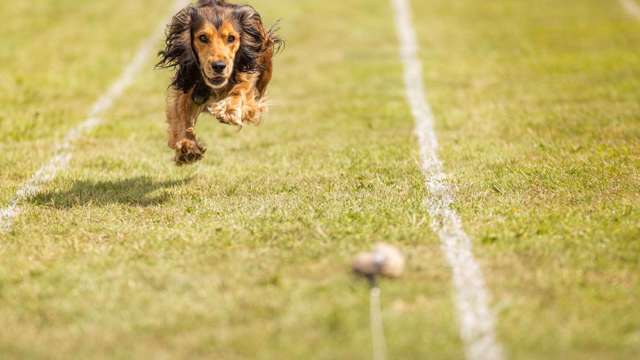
<point>631,7</point>
<point>471,296</point>
<point>62,155</point>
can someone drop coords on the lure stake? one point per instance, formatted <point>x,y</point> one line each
<point>385,260</point>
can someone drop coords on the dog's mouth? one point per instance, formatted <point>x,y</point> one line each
<point>216,81</point>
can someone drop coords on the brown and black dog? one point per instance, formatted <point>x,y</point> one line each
<point>222,55</point>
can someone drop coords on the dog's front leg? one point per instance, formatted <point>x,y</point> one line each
<point>241,105</point>
<point>181,116</point>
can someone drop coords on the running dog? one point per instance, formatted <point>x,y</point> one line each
<point>222,56</point>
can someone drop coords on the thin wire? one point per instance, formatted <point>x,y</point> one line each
<point>377,328</point>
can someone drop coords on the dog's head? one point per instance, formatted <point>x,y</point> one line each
<point>211,41</point>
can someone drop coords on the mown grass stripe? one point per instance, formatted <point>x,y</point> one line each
<point>472,298</point>
<point>63,151</point>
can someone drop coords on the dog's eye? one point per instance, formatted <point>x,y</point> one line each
<point>231,39</point>
<point>204,38</point>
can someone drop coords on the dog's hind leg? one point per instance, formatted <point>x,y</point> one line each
<point>182,114</point>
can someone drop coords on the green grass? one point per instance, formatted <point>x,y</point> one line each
<point>245,255</point>
<point>539,120</point>
<point>57,58</point>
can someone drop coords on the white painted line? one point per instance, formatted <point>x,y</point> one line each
<point>631,7</point>
<point>63,151</point>
<point>471,295</point>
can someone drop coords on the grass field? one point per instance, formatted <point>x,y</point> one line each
<point>245,255</point>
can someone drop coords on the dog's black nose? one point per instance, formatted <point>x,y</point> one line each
<point>219,66</point>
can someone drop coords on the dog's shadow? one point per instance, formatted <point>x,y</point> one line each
<point>137,191</point>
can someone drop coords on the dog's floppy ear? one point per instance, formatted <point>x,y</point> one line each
<point>179,52</point>
<point>252,39</point>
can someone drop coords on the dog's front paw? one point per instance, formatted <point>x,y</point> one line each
<point>188,152</point>
<point>228,111</point>
<point>253,110</point>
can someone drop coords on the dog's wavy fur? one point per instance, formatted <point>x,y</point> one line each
<point>236,101</point>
